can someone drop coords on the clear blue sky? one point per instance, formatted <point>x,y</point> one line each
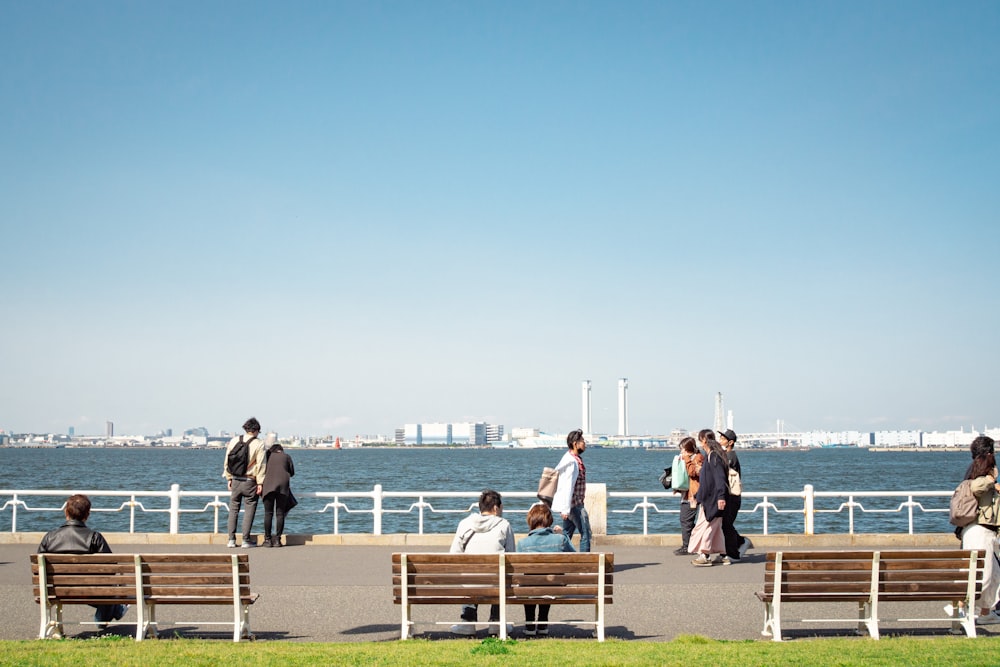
<point>345,216</point>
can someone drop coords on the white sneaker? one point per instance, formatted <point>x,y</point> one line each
<point>231,544</point>
<point>702,561</point>
<point>988,619</point>
<point>745,547</point>
<point>951,611</point>
<point>467,629</point>
<point>724,560</point>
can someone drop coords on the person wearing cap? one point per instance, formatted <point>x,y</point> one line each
<point>736,544</point>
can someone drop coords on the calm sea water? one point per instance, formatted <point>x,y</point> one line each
<point>507,470</point>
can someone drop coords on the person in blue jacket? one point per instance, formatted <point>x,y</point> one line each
<point>540,538</point>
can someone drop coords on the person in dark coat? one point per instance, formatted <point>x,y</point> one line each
<point>707,538</point>
<point>277,493</point>
<point>73,537</point>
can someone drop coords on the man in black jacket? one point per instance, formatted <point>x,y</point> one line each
<point>73,537</point>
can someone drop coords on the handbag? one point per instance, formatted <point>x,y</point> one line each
<point>735,483</point>
<point>681,480</point>
<point>665,478</point>
<point>547,485</point>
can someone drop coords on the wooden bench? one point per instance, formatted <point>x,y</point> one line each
<point>144,581</point>
<point>868,578</point>
<point>503,579</point>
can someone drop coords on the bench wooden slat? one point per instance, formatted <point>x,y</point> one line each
<point>158,579</point>
<point>867,578</point>
<point>535,578</point>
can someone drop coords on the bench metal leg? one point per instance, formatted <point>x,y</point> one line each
<point>245,624</point>
<point>772,622</point>
<point>406,623</point>
<point>52,621</point>
<point>867,620</point>
<point>150,627</point>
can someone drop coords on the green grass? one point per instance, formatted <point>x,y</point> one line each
<point>686,651</point>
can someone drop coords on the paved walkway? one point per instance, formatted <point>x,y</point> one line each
<point>343,594</point>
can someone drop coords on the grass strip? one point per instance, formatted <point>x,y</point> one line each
<point>683,651</point>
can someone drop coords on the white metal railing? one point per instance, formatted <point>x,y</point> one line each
<point>808,510</point>
<point>768,505</point>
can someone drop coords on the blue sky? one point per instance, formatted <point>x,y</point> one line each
<point>346,216</point>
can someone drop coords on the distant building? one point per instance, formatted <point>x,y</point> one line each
<point>459,433</point>
<point>949,439</point>
<point>110,430</point>
<point>897,439</point>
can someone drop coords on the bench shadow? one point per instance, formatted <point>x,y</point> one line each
<point>181,632</point>
<point>804,634</point>
<point>623,567</point>
<point>555,632</point>
<point>372,629</point>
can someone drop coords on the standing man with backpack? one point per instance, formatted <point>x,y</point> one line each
<point>244,472</point>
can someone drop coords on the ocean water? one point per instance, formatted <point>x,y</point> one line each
<point>470,470</point>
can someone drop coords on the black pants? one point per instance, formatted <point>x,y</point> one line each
<point>543,613</point>
<point>733,538</point>
<point>688,517</point>
<point>274,506</point>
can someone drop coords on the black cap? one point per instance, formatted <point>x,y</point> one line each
<point>728,434</point>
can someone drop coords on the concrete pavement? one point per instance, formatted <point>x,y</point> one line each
<point>342,593</point>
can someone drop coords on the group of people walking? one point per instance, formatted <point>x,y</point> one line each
<point>712,500</point>
<point>255,470</point>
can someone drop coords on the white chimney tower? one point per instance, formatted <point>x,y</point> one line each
<point>719,419</point>
<point>587,426</point>
<point>623,406</point>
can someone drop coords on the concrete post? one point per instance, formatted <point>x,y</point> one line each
<point>596,503</point>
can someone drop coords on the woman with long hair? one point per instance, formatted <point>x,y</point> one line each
<point>981,534</point>
<point>707,538</point>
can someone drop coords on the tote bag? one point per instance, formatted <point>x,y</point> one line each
<point>547,485</point>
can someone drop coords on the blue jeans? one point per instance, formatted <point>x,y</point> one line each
<point>578,520</point>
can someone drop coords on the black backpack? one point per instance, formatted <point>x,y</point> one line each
<point>238,458</point>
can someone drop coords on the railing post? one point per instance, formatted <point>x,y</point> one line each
<point>175,508</point>
<point>909,507</point>
<point>377,508</point>
<point>809,502</point>
<point>131,514</point>
<point>13,515</point>
<point>420,515</point>
<point>850,515</point>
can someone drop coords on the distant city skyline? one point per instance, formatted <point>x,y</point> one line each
<point>343,217</point>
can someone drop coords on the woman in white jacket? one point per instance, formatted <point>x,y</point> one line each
<point>572,490</point>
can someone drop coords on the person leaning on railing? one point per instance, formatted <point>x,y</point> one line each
<point>982,533</point>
